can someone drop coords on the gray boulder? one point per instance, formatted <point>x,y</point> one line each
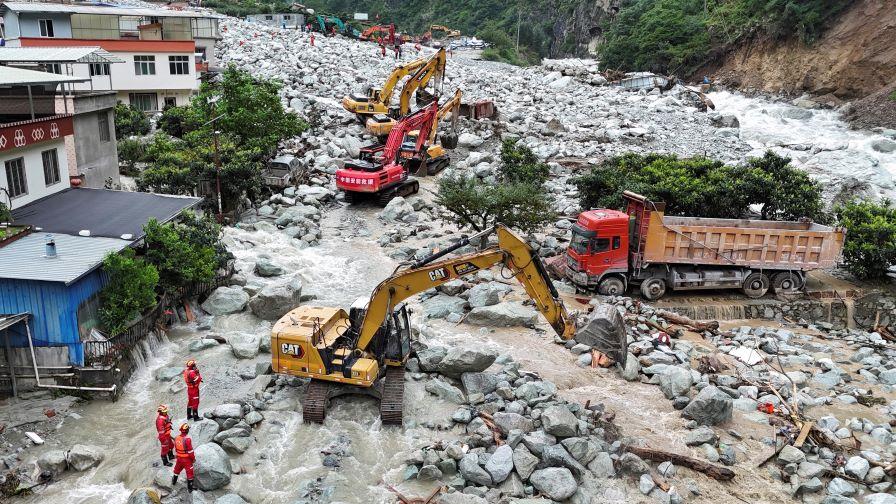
<point>442,305</point>
<point>144,496</point>
<point>884,145</point>
<point>500,464</point>
<point>701,435</point>
<point>602,466</point>
<point>168,373</point>
<point>674,381</point>
<point>83,457</point>
<point>203,431</point>
<point>228,410</point>
<point>486,294</point>
<point>52,461</point>
<point>430,358</point>
<point>506,422</point>
<point>880,498</point>
<point>604,330</point>
<point>230,499</point>
<point>266,267</point>
<point>212,467</point>
<point>472,472</point>
<point>237,444</point>
<point>557,456</point>
<point>398,209</point>
<point>445,390</point>
<point>559,421</point>
<point>460,360</point>
<point>710,407</point>
<point>479,383</point>
<point>523,461</point>
<point>857,467</point>
<point>243,346</point>
<point>226,300</point>
<point>275,300</point>
<point>555,482</point>
<point>506,314</point>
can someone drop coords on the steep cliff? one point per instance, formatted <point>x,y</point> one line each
<point>855,57</point>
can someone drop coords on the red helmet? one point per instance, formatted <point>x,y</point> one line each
<point>185,427</point>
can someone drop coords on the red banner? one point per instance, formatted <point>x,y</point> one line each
<point>27,133</point>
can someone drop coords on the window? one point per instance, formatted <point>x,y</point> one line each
<point>46,27</point>
<point>145,65</point>
<point>55,68</point>
<point>51,167</point>
<point>102,122</point>
<point>15,177</point>
<point>287,17</point>
<point>200,54</point>
<point>99,69</point>
<point>617,242</point>
<point>144,101</point>
<point>269,18</point>
<point>179,65</point>
<point>600,245</point>
<point>170,101</point>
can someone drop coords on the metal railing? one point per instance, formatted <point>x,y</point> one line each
<point>110,351</point>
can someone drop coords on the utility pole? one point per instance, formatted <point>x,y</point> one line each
<point>518,15</point>
<point>215,134</point>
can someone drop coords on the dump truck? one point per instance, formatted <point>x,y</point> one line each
<point>612,249</point>
<point>281,171</point>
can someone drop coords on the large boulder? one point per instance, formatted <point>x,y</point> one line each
<point>230,499</point>
<point>266,267</point>
<point>53,462</point>
<point>604,330</point>
<point>144,496</point>
<point>459,360</point>
<point>558,456</point>
<point>486,294</point>
<point>472,472</point>
<point>441,305</point>
<point>479,383</point>
<point>83,457</point>
<point>506,421</point>
<point>710,407</point>
<point>506,314</point>
<point>445,390</point>
<point>469,140</point>
<point>226,300</point>
<point>212,468</point>
<point>558,421</point>
<point>203,431</point>
<point>243,346</point>
<point>274,300</point>
<point>398,209</point>
<point>500,464</point>
<point>430,358</point>
<point>674,381</point>
<point>556,483</point>
<point>228,410</point>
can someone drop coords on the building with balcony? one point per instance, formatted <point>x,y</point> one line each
<point>281,20</point>
<point>34,158</point>
<point>164,51</point>
<point>93,155</point>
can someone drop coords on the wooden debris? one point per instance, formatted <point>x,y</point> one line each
<point>713,471</point>
<point>885,333</point>
<point>416,500</point>
<point>694,325</point>
<point>804,433</point>
<point>490,423</point>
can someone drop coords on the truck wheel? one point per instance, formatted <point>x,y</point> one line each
<point>756,285</point>
<point>611,286</point>
<point>786,283</point>
<point>653,288</point>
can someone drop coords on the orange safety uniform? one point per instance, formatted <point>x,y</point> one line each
<point>183,448</point>
<point>193,379</point>
<point>163,426</point>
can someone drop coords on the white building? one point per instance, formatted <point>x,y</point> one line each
<point>33,136</point>
<point>164,51</point>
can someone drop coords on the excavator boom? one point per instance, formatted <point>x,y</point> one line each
<point>434,67</point>
<point>511,251</point>
<point>378,100</point>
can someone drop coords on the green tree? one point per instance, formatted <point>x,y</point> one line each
<point>5,214</point>
<point>176,121</point>
<point>130,152</point>
<point>782,191</point>
<point>181,255</point>
<point>130,121</point>
<point>518,199</point>
<point>204,231</point>
<point>130,290</point>
<point>870,247</point>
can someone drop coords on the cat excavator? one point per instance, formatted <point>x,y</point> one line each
<point>380,125</point>
<point>378,100</point>
<point>364,350</point>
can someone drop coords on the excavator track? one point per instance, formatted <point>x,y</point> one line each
<point>314,408</point>
<point>406,188</point>
<point>392,402</point>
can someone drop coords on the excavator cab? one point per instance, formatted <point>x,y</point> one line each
<point>392,342</point>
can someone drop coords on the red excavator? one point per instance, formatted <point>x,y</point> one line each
<point>386,33</point>
<point>382,171</point>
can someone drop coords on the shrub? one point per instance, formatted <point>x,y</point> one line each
<point>130,121</point>
<point>130,152</point>
<point>131,289</point>
<point>5,213</point>
<point>870,248</point>
<point>176,121</point>
<point>180,253</point>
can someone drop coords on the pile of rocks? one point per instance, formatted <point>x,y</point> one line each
<point>79,458</point>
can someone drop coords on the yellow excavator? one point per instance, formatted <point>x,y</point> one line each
<point>436,153</point>
<point>378,100</point>
<point>364,350</point>
<point>381,124</point>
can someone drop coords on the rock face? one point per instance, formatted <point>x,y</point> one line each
<point>273,301</point>
<point>459,360</point>
<point>500,464</point>
<point>710,407</point>
<point>507,314</point>
<point>83,457</point>
<point>144,496</point>
<point>554,482</point>
<point>212,468</point>
<point>225,300</point>
<point>604,329</point>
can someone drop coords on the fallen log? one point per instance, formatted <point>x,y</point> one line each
<point>713,471</point>
<point>695,325</point>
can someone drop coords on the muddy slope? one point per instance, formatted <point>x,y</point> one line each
<point>855,57</point>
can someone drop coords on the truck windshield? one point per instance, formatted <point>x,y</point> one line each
<point>579,243</point>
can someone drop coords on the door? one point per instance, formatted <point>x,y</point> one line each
<point>607,254</point>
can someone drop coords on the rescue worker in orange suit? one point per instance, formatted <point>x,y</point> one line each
<point>193,379</point>
<point>183,447</point>
<point>163,427</point>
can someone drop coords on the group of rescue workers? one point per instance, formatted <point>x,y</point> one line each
<point>180,449</point>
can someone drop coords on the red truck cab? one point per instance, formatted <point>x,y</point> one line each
<point>597,256</point>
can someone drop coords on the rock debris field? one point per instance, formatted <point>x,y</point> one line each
<point>497,408</point>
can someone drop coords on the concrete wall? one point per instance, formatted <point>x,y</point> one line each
<point>28,24</point>
<point>96,160</point>
<point>34,171</point>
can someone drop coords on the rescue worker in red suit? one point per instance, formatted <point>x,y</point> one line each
<point>163,427</point>
<point>183,447</point>
<point>193,379</point>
